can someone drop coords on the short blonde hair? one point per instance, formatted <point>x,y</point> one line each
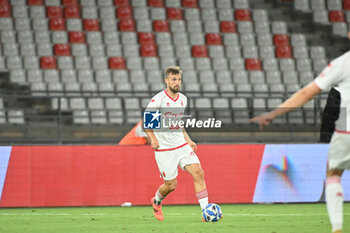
<point>173,70</point>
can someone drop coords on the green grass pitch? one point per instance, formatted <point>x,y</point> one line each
<point>247,218</point>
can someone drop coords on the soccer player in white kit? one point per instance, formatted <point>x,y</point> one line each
<point>174,148</point>
<point>336,73</point>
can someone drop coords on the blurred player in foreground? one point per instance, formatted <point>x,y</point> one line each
<point>174,147</point>
<point>136,136</point>
<point>336,73</point>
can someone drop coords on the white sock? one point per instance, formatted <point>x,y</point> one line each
<point>158,198</point>
<point>202,197</point>
<point>334,199</point>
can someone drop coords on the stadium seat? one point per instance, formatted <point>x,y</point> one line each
<point>242,15</point>
<point>116,63</point>
<point>97,50</point>
<point>190,3</point>
<point>70,2</point>
<point>302,5</point>
<point>145,38</point>
<point>10,49</point>
<point>280,39</point>
<point>71,11</point>
<point>27,49</point>
<point>124,12</point>
<point>54,12</point>
<point>225,14</point>
<point>228,27</point>
<point>340,29</point>
<point>141,13</point>
<point>31,62</point>
<point>148,50</point>
<point>68,76</point>
<point>250,52</point>
<point>57,24</point>
<point>91,25</point>
<point>35,2</point>
<point>48,63</point>
<point>160,26</point>
<point>267,51</point>
<point>213,39</point>
<point>216,51</point>
<point>19,11</point>
<point>252,64</point>
<point>5,11</point>
<point>158,13</point>
<point>317,52</point>
<point>76,37</point>
<point>174,13</point>
<point>126,25</point>
<point>270,64</point>
<point>318,4</point>
<point>300,52</point>
<point>346,5</point>
<point>121,3</point>
<point>336,16</point>
<point>287,64</point>
<point>62,50</point>
<point>199,51</point>
<point>279,27</point>
<point>177,26</point>
<point>155,3</point>
<point>202,63</point>
<point>109,25</point>
<point>284,51</point>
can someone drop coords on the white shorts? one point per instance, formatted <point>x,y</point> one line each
<point>339,151</point>
<point>169,160</point>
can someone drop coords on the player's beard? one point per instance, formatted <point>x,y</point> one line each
<point>175,89</point>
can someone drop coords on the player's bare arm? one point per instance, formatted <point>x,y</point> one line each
<point>192,144</point>
<point>153,140</point>
<point>297,100</point>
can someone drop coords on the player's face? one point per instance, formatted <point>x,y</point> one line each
<point>173,82</point>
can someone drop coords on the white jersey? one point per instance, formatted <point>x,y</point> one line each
<point>170,138</point>
<point>337,73</point>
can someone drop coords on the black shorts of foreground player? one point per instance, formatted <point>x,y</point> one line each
<point>173,149</point>
<point>337,73</point>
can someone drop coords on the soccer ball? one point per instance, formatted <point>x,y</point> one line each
<point>212,213</point>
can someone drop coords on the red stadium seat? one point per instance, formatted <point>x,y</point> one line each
<point>5,11</point>
<point>213,39</point>
<point>91,25</point>
<point>228,27</point>
<point>146,38</point>
<point>280,39</point>
<point>190,3</point>
<point>4,2</point>
<point>149,50</point>
<point>124,12</point>
<point>48,63</point>
<point>116,63</point>
<point>160,26</point>
<point>54,12</point>
<point>252,64</point>
<point>174,13</point>
<point>155,3</point>
<point>70,2</point>
<point>284,51</point>
<point>57,24</point>
<point>72,11</point>
<point>336,16</point>
<point>242,15</point>
<point>199,51</point>
<point>346,5</point>
<point>61,50</point>
<point>126,25</point>
<point>121,2</point>
<point>76,37</point>
<point>35,2</point>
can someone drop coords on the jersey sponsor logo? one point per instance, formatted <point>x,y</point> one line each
<point>152,120</point>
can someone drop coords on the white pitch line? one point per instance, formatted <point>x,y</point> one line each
<point>176,214</point>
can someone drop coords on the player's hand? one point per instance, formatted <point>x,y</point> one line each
<point>263,119</point>
<point>155,144</point>
<point>193,146</point>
